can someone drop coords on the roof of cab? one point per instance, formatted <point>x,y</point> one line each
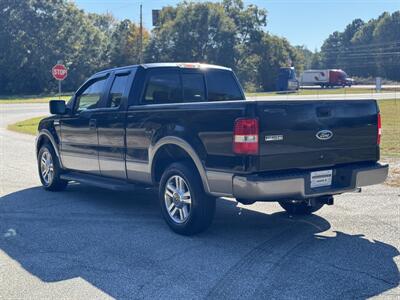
<point>166,65</point>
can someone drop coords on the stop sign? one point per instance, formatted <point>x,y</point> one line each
<point>59,72</point>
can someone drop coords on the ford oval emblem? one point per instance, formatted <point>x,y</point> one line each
<point>324,135</point>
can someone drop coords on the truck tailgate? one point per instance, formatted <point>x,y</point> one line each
<point>313,134</point>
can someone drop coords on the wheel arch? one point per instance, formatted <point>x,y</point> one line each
<point>177,149</point>
<point>45,136</point>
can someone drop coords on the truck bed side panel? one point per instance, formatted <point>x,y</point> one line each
<point>207,127</point>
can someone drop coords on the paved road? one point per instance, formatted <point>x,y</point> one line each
<point>86,243</point>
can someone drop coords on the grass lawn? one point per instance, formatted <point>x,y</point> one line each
<point>319,91</point>
<point>390,111</point>
<point>27,126</point>
<point>32,99</point>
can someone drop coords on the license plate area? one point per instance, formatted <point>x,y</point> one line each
<point>320,178</point>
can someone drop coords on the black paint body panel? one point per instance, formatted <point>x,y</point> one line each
<point>207,127</point>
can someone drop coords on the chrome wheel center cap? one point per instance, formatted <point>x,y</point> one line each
<point>177,199</point>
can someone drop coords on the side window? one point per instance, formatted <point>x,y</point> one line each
<point>117,90</point>
<point>90,97</point>
<point>164,87</point>
<point>193,87</point>
<point>221,85</point>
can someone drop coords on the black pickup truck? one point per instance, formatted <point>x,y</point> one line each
<point>186,129</point>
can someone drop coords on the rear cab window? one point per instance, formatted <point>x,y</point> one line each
<point>186,85</point>
<point>193,86</point>
<point>222,86</point>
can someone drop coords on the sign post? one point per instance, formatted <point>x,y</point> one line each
<point>378,84</point>
<point>59,73</point>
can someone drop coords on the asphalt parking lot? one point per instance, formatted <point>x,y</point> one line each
<point>88,243</point>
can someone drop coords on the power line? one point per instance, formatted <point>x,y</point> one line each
<point>374,44</point>
<point>340,47</point>
<point>365,63</point>
<point>363,47</point>
<point>382,49</point>
<point>388,56</point>
<point>371,54</point>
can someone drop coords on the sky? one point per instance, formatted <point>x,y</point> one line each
<point>302,22</point>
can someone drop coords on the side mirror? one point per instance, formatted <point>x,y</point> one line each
<point>57,107</point>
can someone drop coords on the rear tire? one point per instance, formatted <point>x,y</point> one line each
<point>186,208</point>
<point>49,169</point>
<point>300,207</point>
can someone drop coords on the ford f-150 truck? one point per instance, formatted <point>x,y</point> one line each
<point>188,130</point>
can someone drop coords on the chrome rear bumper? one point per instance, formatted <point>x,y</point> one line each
<point>297,185</point>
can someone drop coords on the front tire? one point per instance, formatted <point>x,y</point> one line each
<point>186,208</point>
<point>49,169</point>
<point>301,207</point>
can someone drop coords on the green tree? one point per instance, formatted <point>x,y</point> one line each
<point>125,44</point>
<point>330,50</point>
<point>36,34</point>
<point>105,22</point>
<point>366,49</point>
<point>249,23</point>
<point>193,32</point>
<point>316,62</point>
<point>305,55</point>
<point>275,52</point>
<point>226,33</point>
<point>362,64</point>
<point>347,46</point>
<point>387,35</point>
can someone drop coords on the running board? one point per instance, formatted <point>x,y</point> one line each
<point>102,182</point>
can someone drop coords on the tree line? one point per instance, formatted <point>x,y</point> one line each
<point>364,49</point>
<point>36,34</point>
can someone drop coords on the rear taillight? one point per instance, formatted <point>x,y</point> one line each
<point>378,141</point>
<point>245,136</point>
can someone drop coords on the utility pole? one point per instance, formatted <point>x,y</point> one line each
<point>141,37</point>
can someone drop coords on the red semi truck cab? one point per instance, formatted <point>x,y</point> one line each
<point>339,78</point>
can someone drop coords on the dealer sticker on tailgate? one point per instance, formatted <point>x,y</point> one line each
<point>321,178</point>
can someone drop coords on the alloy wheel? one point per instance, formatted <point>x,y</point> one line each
<point>178,200</point>
<point>47,167</point>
